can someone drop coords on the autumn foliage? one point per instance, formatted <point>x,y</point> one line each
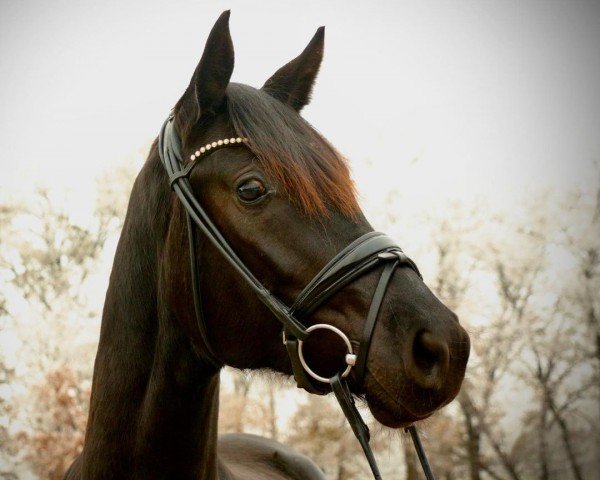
<point>61,423</point>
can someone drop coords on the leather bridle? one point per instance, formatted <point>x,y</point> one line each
<point>361,256</point>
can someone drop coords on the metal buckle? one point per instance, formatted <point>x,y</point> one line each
<point>350,358</point>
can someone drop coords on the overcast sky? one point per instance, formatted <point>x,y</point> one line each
<point>442,99</point>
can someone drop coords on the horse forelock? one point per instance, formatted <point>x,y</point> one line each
<point>312,172</point>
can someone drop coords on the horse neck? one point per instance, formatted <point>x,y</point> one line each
<point>154,406</point>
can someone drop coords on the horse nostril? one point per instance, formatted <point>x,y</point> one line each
<point>430,360</point>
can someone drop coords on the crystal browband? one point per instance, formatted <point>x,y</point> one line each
<point>205,150</point>
<point>216,144</point>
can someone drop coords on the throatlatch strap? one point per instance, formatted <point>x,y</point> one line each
<point>359,427</point>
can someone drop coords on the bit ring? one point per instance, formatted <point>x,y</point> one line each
<point>350,357</point>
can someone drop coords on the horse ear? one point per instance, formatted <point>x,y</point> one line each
<point>292,84</point>
<point>206,90</point>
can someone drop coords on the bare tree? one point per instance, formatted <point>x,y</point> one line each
<point>452,233</point>
<point>556,361</point>
<point>459,239</point>
<point>583,241</point>
<point>251,404</point>
<point>271,388</point>
<point>51,262</point>
<point>443,438</point>
<point>45,259</point>
<point>319,429</point>
<point>563,352</point>
<point>502,345</point>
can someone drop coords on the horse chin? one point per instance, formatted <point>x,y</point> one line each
<point>391,414</point>
<point>389,411</point>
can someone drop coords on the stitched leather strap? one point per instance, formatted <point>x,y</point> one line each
<point>414,434</point>
<point>365,341</point>
<point>359,427</point>
<point>209,352</point>
<point>355,260</point>
<point>300,375</point>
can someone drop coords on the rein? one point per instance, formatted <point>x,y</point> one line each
<point>362,255</point>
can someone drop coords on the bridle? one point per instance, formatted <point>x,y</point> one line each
<point>362,255</point>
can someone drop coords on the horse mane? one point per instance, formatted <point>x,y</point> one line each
<point>314,175</point>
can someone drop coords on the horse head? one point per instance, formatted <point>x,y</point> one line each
<point>282,197</point>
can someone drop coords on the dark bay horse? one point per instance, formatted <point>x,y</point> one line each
<point>286,204</point>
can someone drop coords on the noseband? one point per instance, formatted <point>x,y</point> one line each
<point>361,256</point>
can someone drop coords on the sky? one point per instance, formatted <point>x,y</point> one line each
<point>439,100</point>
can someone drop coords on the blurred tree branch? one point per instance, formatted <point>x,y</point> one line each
<point>46,256</point>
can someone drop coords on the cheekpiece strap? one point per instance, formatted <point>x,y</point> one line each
<point>303,380</point>
<point>365,341</point>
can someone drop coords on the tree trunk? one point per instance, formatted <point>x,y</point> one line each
<point>473,440</point>
<point>241,387</point>
<point>567,441</point>
<point>543,438</point>
<point>593,322</point>
<point>272,413</point>
<point>505,460</point>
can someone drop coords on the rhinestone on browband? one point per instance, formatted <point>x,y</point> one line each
<point>216,144</point>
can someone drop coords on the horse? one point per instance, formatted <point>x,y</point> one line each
<point>282,200</point>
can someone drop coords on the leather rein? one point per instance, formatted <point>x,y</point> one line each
<point>362,255</point>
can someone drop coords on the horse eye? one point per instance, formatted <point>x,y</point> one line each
<point>251,190</point>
